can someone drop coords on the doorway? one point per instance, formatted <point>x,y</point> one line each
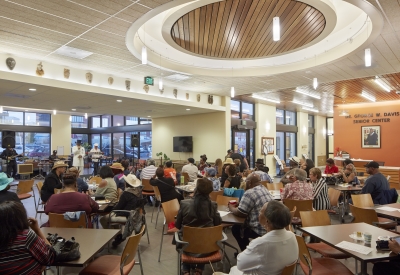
<point>243,143</point>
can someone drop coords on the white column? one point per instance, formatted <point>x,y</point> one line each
<point>61,133</point>
<point>302,134</point>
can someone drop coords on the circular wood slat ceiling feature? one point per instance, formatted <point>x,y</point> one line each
<point>243,28</point>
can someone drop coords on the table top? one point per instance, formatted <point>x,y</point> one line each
<point>91,241</point>
<point>349,187</point>
<point>230,218</point>
<point>388,214</point>
<point>334,234</point>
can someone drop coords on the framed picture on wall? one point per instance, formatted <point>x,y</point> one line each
<point>370,136</point>
<point>267,146</point>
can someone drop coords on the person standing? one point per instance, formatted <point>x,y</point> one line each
<point>96,155</point>
<point>79,152</point>
<point>9,155</point>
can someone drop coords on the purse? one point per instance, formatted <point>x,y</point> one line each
<point>65,250</point>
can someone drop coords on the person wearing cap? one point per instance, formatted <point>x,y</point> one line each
<point>170,172</point>
<point>228,153</point>
<point>130,199</point>
<point>166,186</point>
<point>79,153</point>
<point>262,171</point>
<point>255,196</point>
<point>191,169</point>
<point>330,167</point>
<point>6,195</point>
<point>198,212</point>
<point>96,154</point>
<point>211,173</point>
<point>9,155</point>
<point>53,180</point>
<point>118,171</point>
<point>375,184</point>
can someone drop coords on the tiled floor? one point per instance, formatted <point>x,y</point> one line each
<point>149,252</point>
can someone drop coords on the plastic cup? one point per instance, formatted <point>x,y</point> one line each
<point>233,202</point>
<point>182,180</point>
<point>367,237</point>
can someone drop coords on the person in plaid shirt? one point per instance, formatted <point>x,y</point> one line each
<point>253,199</point>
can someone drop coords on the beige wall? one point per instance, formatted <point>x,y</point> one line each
<point>302,134</point>
<point>320,138</point>
<point>61,133</point>
<point>209,132</point>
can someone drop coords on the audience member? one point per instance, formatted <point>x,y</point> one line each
<point>218,166</point>
<point>125,164</point>
<point>23,247</point>
<point>262,171</point>
<point>198,212</point>
<point>203,163</point>
<point>331,168</point>
<point>393,265</point>
<point>294,162</point>
<point>255,196</point>
<point>170,172</point>
<point>70,200</point>
<point>6,195</point>
<point>308,164</point>
<point>375,184</point>
<point>243,161</point>
<point>211,175</point>
<point>233,180</point>
<point>166,186</point>
<point>224,175</point>
<point>349,174</point>
<point>237,165</point>
<point>149,171</point>
<point>81,184</point>
<point>270,253</point>
<point>107,187</point>
<point>347,162</point>
<point>320,190</point>
<point>53,180</point>
<point>298,188</point>
<point>191,169</point>
<point>118,171</point>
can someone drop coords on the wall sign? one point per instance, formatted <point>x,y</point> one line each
<point>373,118</point>
<point>148,80</point>
<point>267,146</point>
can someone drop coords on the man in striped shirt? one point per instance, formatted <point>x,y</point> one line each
<point>147,173</point>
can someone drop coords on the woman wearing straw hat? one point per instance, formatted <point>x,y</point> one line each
<point>118,171</point>
<point>53,180</point>
<point>6,195</point>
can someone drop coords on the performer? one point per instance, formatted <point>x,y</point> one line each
<point>9,154</point>
<point>96,154</point>
<point>53,158</point>
<point>79,152</point>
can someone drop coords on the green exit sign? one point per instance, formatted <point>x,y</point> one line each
<point>148,80</point>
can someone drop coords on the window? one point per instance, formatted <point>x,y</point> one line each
<point>145,145</point>
<point>12,118</point>
<point>38,144</point>
<point>96,139</point>
<point>311,146</point>
<point>106,121</point>
<point>96,122</point>
<point>36,119</point>
<point>131,120</point>
<point>118,121</point>
<point>83,137</point>
<point>145,120</point>
<point>235,109</point>
<point>79,122</point>
<point>279,116</point>
<point>285,117</point>
<point>106,144</point>
<point>285,147</point>
<point>118,145</point>
<point>310,121</point>
<point>247,111</point>
<point>290,118</point>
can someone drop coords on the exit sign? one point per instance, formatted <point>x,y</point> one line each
<point>148,80</point>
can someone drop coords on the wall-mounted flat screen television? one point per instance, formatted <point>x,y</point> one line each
<point>183,144</point>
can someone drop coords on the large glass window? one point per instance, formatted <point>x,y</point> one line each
<point>290,146</point>
<point>12,118</point>
<point>235,109</point>
<point>106,121</point>
<point>280,148</point>
<point>285,117</point>
<point>145,145</point>
<point>79,122</point>
<point>285,146</point>
<point>247,111</point>
<point>131,152</point>
<point>118,145</point>
<point>145,120</point>
<point>279,116</point>
<point>38,144</point>
<point>95,139</point>
<point>310,121</point>
<point>106,144</point>
<point>83,137</point>
<point>36,119</point>
<point>131,120</point>
<point>118,121</point>
<point>96,122</point>
<point>290,118</point>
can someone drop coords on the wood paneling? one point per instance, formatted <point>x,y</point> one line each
<point>243,28</point>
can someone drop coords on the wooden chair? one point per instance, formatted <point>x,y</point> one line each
<point>333,196</point>
<point>198,240</point>
<point>274,186</point>
<point>157,196</point>
<point>25,190</point>
<point>224,200</point>
<point>301,205</point>
<point>170,209</point>
<point>215,194</point>
<point>365,201</point>
<point>369,216</point>
<point>326,266</point>
<point>265,183</point>
<point>320,218</point>
<point>148,191</point>
<point>57,220</point>
<point>186,177</point>
<point>39,186</point>
<point>290,227</point>
<point>288,270</point>
<point>115,264</point>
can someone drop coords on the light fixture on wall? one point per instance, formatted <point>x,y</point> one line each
<point>70,118</point>
<point>315,83</point>
<point>368,57</point>
<point>232,91</point>
<point>368,96</point>
<point>276,29</point>
<point>54,112</point>
<point>1,109</point>
<point>85,115</point>
<point>382,84</point>
<point>266,99</point>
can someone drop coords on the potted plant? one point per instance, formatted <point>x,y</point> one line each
<point>161,155</point>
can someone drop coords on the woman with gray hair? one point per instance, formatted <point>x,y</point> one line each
<point>270,253</point>
<point>298,188</point>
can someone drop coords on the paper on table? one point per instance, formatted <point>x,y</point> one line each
<point>387,208</point>
<point>355,247</point>
<point>223,213</point>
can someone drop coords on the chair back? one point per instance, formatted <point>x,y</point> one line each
<point>25,186</point>
<point>264,183</point>
<point>57,220</point>
<point>157,193</point>
<point>146,185</point>
<point>224,200</point>
<point>363,215</point>
<point>303,252</point>
<point>39,186</point>
<point>274,186</point>
<point>171,209</point>
<point>95,179</point>
<point>288,270</point>
<point>186,176</point>
<point>333,196</point>
<point>290,227</point>
<point>362,200</point>
<point>202,240</point>
<point>131,246</point>
<point>215,194</point>
<point>315,218</point>
<point>301,205</point>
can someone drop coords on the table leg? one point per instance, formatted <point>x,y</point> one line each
<point>344,205</point>
<point>363,268</point>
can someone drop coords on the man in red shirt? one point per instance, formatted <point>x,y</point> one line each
<point>331,168</point>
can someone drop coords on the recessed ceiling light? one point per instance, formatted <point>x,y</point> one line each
<point>32,89</point>
<point>148,116</point>
<point>187,109</point>
<point>119,100</point>
<point>73,109</point>
<point>73,52</point>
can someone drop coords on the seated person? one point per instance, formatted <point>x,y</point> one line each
<point>6,195</point>
<point>298,188</point>
<point>331,168</point>
<point>308,164</point>
<point>130,199</point>
<point>107,187</point>
<point>262,171</point>
<point>81,184</point>
<point>118,171</point>
<point>70,200</point>
<point>23,247</point>
<point>203,163</point>
<point>233,180</point>
<point>237,166</point>
<point>191,169</point>
<point>376,184</point>
<point>211,175</point>
<point>320,190</point>
<point>270,253</point>
<point>393,265</point>
<point>170,172</point>
<point>255,196</point>
<point>349,175</point>
<point>347,162</point>
<point>224,175</point>
<point>125,164</point>
<point>53,180</point>
<point>166,186</point>
<point>198,212</point>
<point>149,171</point>
<point>218,166</point>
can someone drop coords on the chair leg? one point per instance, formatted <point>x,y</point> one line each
<point>140,260</point>
<point>152,213</point>
<point>162,237</point>
<point>158,212</point>
<point>147,230</point>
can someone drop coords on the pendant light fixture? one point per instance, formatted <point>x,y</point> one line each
<point>315,83</point>
<point>276,29</point>
<point>368,57</point>
<point>54,112</point>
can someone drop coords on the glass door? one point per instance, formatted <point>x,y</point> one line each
<point>241,143</point>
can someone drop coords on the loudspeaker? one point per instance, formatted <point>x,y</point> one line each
<point>8,138</point>
<point>134,140</point>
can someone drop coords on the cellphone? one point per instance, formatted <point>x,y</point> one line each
<point>397,239</point>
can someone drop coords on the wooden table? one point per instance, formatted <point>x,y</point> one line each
<point>230,218</point>
<point>345,189</point>
<point>389,214</point>
<point>90,241</point>
<point>334,234</point>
